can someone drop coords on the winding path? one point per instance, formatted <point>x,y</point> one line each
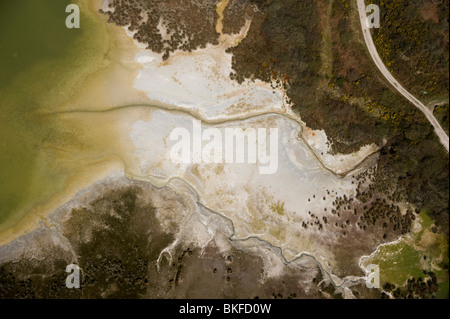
<point>217,121</point>
<point>379,63</point>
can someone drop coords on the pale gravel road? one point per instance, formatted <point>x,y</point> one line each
<point>379,63</point>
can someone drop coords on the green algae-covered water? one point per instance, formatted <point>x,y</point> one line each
<point>40,63</point>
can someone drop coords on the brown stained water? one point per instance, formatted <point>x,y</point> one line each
<point>45,69</point>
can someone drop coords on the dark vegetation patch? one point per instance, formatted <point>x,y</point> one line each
<point>209,273</point>
<point>441,113</point>
<point>126,237</point>
<point>115,241</point>
<point>28,279</point>
<point>413,42</point>
<point>415,288</point>
<point>235,14</point>
<point>189,24</point>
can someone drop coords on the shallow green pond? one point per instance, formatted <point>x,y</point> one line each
<point>39,57</point>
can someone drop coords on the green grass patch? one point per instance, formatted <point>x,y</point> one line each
<point>443,291</point>
<point>426,220</point>
<point>398,262</point>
